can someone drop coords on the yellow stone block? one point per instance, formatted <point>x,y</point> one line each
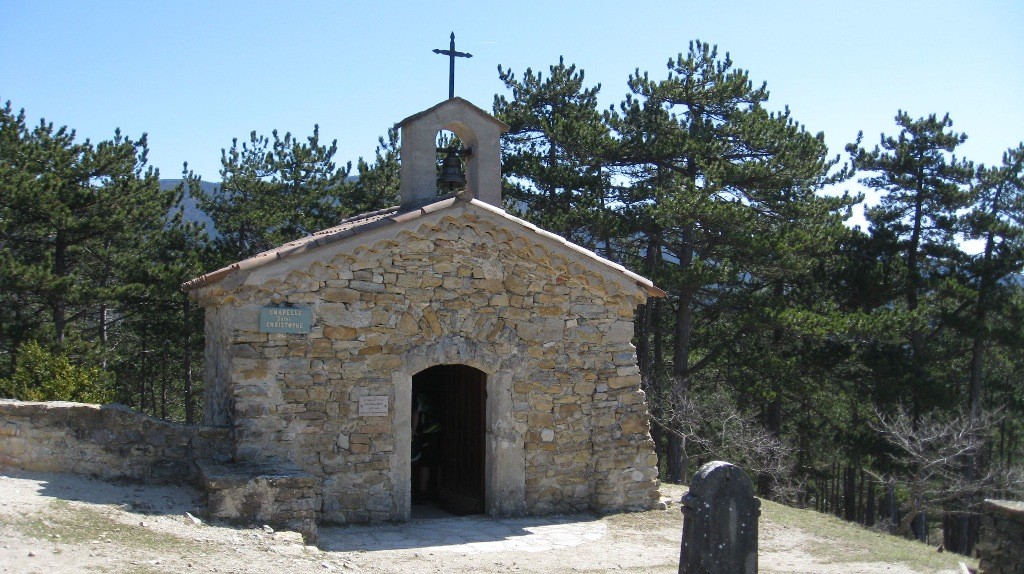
<point>408,325</point>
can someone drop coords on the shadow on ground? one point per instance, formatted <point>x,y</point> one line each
<point>466,534</point>
<point>430,529</point>
<point>130,495</point>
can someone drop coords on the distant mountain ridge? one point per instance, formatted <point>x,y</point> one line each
<point>192,212</point>
<point>196,215</point>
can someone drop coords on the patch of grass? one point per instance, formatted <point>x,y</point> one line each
<point>646,520</point>
<point>835,541</point>
<point>842,541</point>
<point>68,524</point>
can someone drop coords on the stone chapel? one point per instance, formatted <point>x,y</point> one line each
<point>317,351</point>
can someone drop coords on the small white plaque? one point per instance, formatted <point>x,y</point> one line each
<point>373,406</point>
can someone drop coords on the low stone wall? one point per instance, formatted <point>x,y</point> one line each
<point>1001,545</point>
<point>106,441</point>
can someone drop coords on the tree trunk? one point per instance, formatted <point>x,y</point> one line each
<point>803,454</point>
<point>913,273</point>
<point>658,366</point>
<point>980,312</point>
<point>913,286</point>
<point>58,301</point>
<point>870,506</point>
<point>677,460</point>
<point>675,466</point>
<point>850,494</point>
<point>860,496</point>
<point>890,502</point>
<point>822,493</point>
<point>103,331</point>
<point>681,363</point>
<point>163,387</point>
<point>142,381</point>
<point>152,397</point>
<point>837,503</point>
<point>921,526</point>
<point>960,532</point>
<point>773,416</point>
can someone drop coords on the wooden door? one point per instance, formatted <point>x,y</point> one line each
<point>461,398</point>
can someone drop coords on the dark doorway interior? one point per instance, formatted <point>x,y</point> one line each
<point>448,405</point>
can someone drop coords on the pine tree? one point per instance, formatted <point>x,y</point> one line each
<point>379,184</point>
<point>81,226</point>
<point>696,185</point>
<point>997,220</point>
<point>273,190</point>
<point>727,192</point>
<point>924,186</point>
<point>159,338</point>
<point>554,154</point>
<point>74,217</point>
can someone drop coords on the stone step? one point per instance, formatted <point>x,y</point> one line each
<point>276,494</point>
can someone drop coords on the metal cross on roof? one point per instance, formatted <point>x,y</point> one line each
<point>452,54</point>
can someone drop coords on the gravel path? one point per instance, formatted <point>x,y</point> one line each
<point>60,523</point>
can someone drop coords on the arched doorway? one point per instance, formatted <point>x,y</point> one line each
<point>449,417</point>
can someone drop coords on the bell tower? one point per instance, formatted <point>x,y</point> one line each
<point>480,134</point>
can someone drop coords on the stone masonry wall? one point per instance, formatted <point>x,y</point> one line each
<point>1001,544</point>
<point>109,441</point>
<point>498,301</point>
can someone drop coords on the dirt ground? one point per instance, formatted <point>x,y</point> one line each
<point>60,523</point>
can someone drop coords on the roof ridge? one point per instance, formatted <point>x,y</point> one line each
<point>393,216</point>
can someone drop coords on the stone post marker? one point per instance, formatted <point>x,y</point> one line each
<point>719,522</point>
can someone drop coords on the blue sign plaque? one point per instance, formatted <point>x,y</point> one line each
<point>286,319</point>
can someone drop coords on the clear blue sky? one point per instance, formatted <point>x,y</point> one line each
<point>195,74</point>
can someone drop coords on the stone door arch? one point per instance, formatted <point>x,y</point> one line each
<point>505,456</point>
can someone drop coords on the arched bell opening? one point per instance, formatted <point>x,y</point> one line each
<point>448,452</point>
<point>452,156</point>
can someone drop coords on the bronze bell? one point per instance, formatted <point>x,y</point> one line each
<point>451,178</point>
